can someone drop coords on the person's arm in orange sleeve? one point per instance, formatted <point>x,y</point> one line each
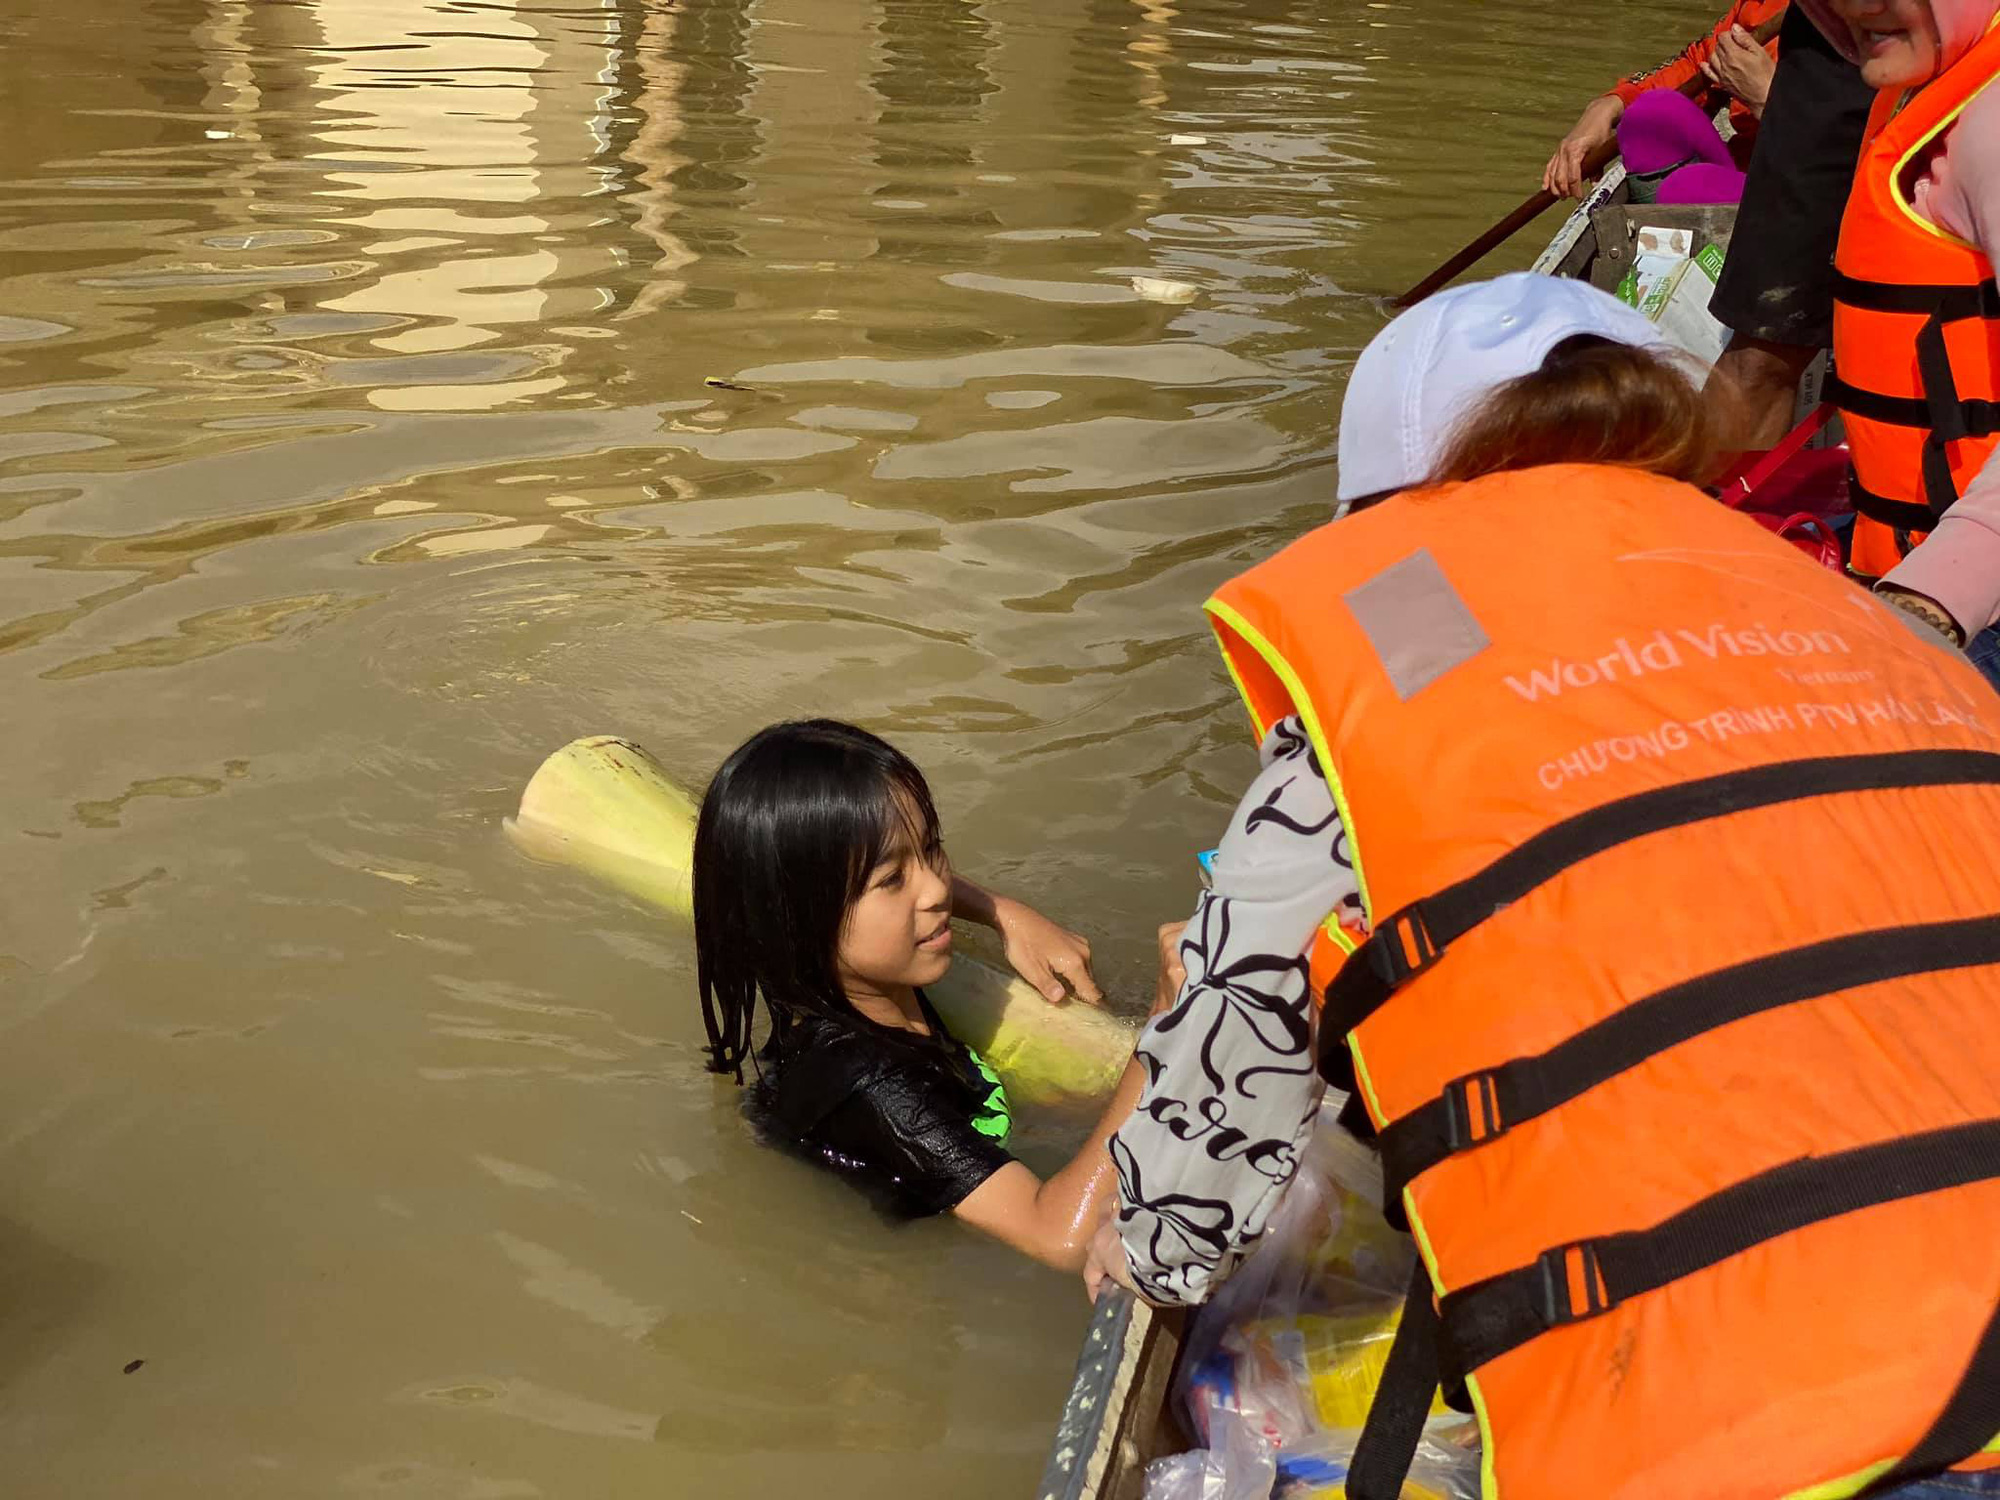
<point>1595,127</point>
<point>1688,62</point>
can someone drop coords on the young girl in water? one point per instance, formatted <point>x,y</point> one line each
<point>821,885</point>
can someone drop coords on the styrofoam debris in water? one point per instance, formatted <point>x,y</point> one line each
<point>1187,140</point>
<point>1154,289</point>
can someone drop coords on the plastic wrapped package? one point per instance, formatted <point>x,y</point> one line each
<point>1240,1466</point>
<point>1243,1465</point>
<point>1446,1466</point>
<point>1306,1319</point>
<point>1292,1346</point>
<point>1329,1224</point>
<point>1332,1360</point>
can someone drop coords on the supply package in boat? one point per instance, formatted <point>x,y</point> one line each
<point>1280,1368</point>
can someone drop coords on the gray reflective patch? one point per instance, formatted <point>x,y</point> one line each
<point>1416,622</point>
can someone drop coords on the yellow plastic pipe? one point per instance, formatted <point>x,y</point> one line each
<point>608,808</point>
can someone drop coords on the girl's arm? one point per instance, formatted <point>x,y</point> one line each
<point>1737,66</point>
<point>1047,955</point>
<point>1054,1220</point>
<point>1695,58</point>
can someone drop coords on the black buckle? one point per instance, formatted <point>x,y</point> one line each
<point>1557,1306</point>
<point>1397,958</point>
<point>1458,1132</point>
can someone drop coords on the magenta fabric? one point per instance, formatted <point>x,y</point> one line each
<point>1662,129</point>
<point>1703,183</point>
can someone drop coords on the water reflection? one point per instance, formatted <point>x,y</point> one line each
<point>653,152</point>
<point>456,148</point>
<point>393,389</point>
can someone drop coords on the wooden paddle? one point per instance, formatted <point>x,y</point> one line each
<point>1533,208</point>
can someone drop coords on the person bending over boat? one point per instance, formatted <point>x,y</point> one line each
<point>1670,132</point>
<point>1916,332</point>
<point>822,887</point>
<point>1670,863</point>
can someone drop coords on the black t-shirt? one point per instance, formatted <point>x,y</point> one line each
<point>1777,283</point>
<point>917,1125</point>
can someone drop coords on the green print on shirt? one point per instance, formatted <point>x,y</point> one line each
<point>995,1117</point>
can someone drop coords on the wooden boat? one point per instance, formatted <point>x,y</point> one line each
<point>1117,1418</point>
<point>1595,241</point>
<point>1596,244</point>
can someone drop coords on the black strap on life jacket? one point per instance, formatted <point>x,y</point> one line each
<point>1905,517</point>
<point>1954,302</point>
<point>1408,942</point>
<point>1588,1278</point>
<point>1941,414</point>
<point>1966,1425</point>
<point>1483,1106</point>
<point>1402,1400</point>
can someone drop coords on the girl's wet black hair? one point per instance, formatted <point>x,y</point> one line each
<point>790,829</point>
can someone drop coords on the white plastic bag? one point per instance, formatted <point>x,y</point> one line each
<point>1443,1469</point>
<point>1328,1270</point>
<point>1240,1466</point>
<point>1292,1346</point>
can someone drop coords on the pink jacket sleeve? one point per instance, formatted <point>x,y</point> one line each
<point>1962,193</point>
<point>1958,565</point>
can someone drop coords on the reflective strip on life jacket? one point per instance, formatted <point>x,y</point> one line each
<point>1682,859</point>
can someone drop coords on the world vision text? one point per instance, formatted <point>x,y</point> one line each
<point>1667,651</point>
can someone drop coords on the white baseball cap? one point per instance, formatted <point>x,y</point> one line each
<point>1434,363</point>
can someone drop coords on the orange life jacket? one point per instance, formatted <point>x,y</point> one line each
<point>1680,1014</point>
<point>1916,327</point>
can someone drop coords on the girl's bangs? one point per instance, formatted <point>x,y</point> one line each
<point>902,817</point>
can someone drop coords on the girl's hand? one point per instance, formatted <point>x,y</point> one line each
<point>1048,956</point>
<point>1742,66</point>
<point>1104,1262</point>
<point>1173,973</point>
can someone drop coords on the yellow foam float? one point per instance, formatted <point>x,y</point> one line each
<point>606,807</point>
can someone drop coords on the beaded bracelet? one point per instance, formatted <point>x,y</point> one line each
<point>1929,613</point>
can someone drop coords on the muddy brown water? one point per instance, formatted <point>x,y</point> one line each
<point>357,448</point>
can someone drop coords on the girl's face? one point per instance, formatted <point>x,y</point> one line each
<point>898,931</point>
<point>1897,39</point>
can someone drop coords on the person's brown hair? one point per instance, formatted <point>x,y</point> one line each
<point>1591,402</point>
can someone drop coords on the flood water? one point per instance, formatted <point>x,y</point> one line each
<point>356,451</point>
